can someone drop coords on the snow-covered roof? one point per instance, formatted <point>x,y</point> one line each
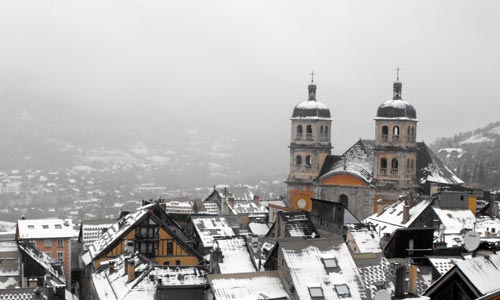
<point>367,240</point>
<point>119,228</point>
<point>115,285</point>
<point>92,230</point>
<point>488,226</point>
<point>324,264</point>
<point>391,217</point>
<point>235,256</point>
<point>444,264</point>
<point>259,229</point>
<point>45,228</point>
<point>247,207</point>
<point>455,220</point>
<point>57,277</point>
<point>261,285</point>
<point>431,168</point>
<point>357,160</point>
<point>482,272</point>
<point>209,228</point>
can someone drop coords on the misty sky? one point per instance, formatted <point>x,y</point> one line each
<point>239,67</point>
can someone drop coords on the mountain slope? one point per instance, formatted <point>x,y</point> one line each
<point>474,156</point>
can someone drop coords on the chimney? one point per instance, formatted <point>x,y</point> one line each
<point>380,206</point>
<point>406,213</point>
<point>256,200</point>
<point>411,200</point>
<point>412,289</point>
<point>131,270</point>
<point>400,281</point>
<point>111,267</point>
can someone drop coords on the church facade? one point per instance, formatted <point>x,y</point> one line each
<point>369,175</point>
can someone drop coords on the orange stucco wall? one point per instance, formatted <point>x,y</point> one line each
<point>297,195</point>
<point>344,179</point>
<point>54,249</point>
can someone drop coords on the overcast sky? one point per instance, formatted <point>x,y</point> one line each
<point>239,67</point>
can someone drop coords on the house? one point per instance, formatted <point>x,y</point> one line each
<point>362,238</point>
<point>247,286</point>
<point>318,269</point>
<point>206,228</point>
<point>231,255</point>
<point>331,216</point>
<point>134,277</point>
<point>295,224</point>
<point>52,237</point>
<point>92,230</point>
<point>148,231</point>
<point>474,278</point>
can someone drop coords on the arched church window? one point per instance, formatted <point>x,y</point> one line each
<point>394,166</point>
<point>309,132</point>
<point>383,166</point>
<point>385,133</point>
<point>409,137</point>
<point>299,132</point>
<point>395,133</point>
<point>344,200</point>
<point>411,164</point>
<point>321,131</point>
<point>308,162</point>
<point>326,132</point>
<point>413,136</point>
<point>408,164</point>
<point>298,160</point>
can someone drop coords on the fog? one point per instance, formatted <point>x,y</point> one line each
<point>238,68</point>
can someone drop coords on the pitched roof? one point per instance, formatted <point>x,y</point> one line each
<point>249,286</point>
<point>357,160</point>
<point>91,230</point>
<point>123,226</point>
<point>297,224</point>
<point>366,237</point>
<point>148,277</point>
<point>480,271</point>
<point>306,263</point>
<point>235,256</point>
<point>431,168</point>
<point>391,217</point>
<point>210,227</point>
<point>45,228</point>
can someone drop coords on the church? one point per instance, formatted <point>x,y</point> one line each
<point>372,173</point>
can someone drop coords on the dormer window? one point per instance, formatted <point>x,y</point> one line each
<point>45,226</point>
<point>58,226</point>
<point>316,293</point>
<point>31,226</point>
<point>342,290</point>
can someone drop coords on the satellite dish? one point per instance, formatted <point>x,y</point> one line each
<point>382,295</point>
<point>471,240</point>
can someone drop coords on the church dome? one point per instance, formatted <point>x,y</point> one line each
<point>311,108</point>
<point>396,108</point>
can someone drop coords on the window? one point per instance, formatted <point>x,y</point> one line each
<point>31,226</point>
<point>309,133</point>
<point>316,293</point>
<point>49,254</point>
<point>394,166</point>
<point>177,262</point>
<point>413,136</point>
<point>385,133</point>
<point>298,160</point>
<point>326,131</point>
<point>299,133</point>
<point>342,290</point>
<point>58,226</point>
<point>409,138</point>
<point>60,257</point>
<point>321,131</point>
<point>170,248</point>
<point>344,200</point>
<point>408,164</point>
<point>395,134</point>
<point>45,226</point>
<point>383,166</point>
<point>47,243</point>
<point>60,243</point>
<point>308,162</point>
<point>166,263</point>
<point>330,262</point>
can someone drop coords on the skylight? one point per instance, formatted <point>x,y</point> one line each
<point>31,226</point>
<point>316,292</point>
<point>45,226</point>
<point>330,262</point>
<point>58,226</point>
<point>342,290</point>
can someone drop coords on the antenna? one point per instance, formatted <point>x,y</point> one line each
<point>471,240</point>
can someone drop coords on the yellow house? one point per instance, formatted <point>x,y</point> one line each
<point>150,232</point>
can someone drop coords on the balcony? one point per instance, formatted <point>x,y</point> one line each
<point>298,137</point>
<point>308,167</point>
<point>384,138</point>
<point>394,171</point>
<point>309,136</point>
<point>383,171</point>
<point>395,138</point>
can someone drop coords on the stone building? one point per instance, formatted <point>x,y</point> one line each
<point>371,173</point>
